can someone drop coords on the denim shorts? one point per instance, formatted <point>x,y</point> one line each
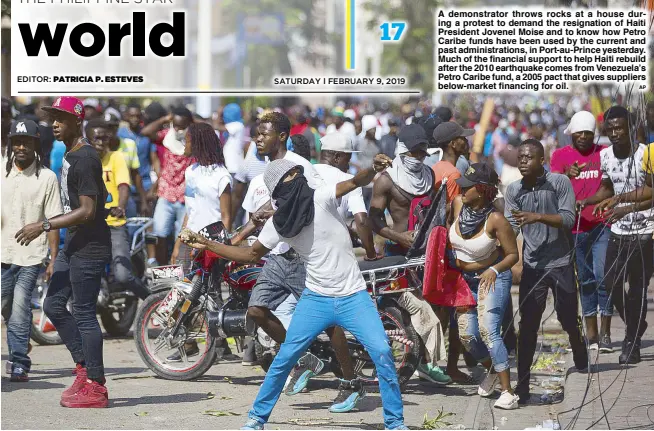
<point>279,277</point>
<point>168,218</point>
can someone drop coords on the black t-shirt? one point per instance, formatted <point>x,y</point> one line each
<point>81,175</point>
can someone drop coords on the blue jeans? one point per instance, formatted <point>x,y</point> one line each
<point>168,218</point>
<point>80,278</point>
<point>591,256</point>
<point>355,313</point>
<point>18,282</point>
<point>480,327</point>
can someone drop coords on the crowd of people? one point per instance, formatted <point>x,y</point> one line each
<point>556,199</point>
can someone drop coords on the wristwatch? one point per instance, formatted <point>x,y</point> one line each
<point>46,225</point>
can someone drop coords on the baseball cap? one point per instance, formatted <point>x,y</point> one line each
<point>24,128</point>
<point>478,173</point>
<point>337,142</point>
<point>337,111</point>
<point>276,170</point>
<point>349,113</point>
<point>92,102</point>
<point>69,105</point>
<point>411,136</point>
<point>429,123</point>
<point>449,130</point>
<point>369,122</point>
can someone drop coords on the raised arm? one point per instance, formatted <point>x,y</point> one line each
<point>364,176</point>
<point>251,254</point>
<point>151,129</point>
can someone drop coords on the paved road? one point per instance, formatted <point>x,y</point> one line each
<point>618,396</point>
<point>141,401</point>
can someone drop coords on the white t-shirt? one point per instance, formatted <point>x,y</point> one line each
<point>325,247</point>
<point>626,176</point>
<point>233,148</point>
<point>256,196</point>
<point>350,203</point>
<point>251,167</point>
<point>204,185</point>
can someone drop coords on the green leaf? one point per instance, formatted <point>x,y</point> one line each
<point>210,395</point>
<point>220,413</point>
<point>437,422</point>
<point>141,414</point>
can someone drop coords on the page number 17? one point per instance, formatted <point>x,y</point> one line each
<point>397,27</point>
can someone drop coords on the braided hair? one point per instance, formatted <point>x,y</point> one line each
<point>488,191</point>
<point>37,150</point>
<point>205,145</point>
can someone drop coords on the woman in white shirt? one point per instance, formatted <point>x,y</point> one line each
<point>208,191</point>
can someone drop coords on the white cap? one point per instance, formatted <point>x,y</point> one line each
<point>92,102</point>
<point>349,113</point>
<point>582,121</point>
<point>337,142</point>
<point>370,122</point>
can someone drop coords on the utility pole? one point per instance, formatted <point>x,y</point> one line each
<point>204,56</point>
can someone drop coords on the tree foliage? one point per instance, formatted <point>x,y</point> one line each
<point>6,7</point>
<point>414,55</point>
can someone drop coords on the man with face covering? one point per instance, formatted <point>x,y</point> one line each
<point>284,272</point>
<point>394,190</point>
<point>336,295</point>
<point>407,179</point>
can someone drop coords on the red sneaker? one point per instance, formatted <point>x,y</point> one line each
<point>92,396</point>
<point>80,381</point>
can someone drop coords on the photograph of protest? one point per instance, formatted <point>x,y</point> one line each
<point>328,214</point>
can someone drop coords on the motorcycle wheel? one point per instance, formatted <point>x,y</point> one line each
<point>118,323</point>
<point>43,331</point>
<point>161,365</point>
<point>406,345</point>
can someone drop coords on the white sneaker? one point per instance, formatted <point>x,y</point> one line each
<point>593,346</point>
<point>507,401</point>
<point>487,387</point>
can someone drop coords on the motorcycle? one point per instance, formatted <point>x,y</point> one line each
<point>116,306</point>
<point>178,326</point>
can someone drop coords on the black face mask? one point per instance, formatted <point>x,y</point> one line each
<point>295,208</point>
<point>470,220</point>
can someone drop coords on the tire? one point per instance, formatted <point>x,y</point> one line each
<point>45,338</point>
<point>412,357</point>
<point>50,337</point>
<point>393,317</point>
<point>197,370</point>
<point>120,327</point>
